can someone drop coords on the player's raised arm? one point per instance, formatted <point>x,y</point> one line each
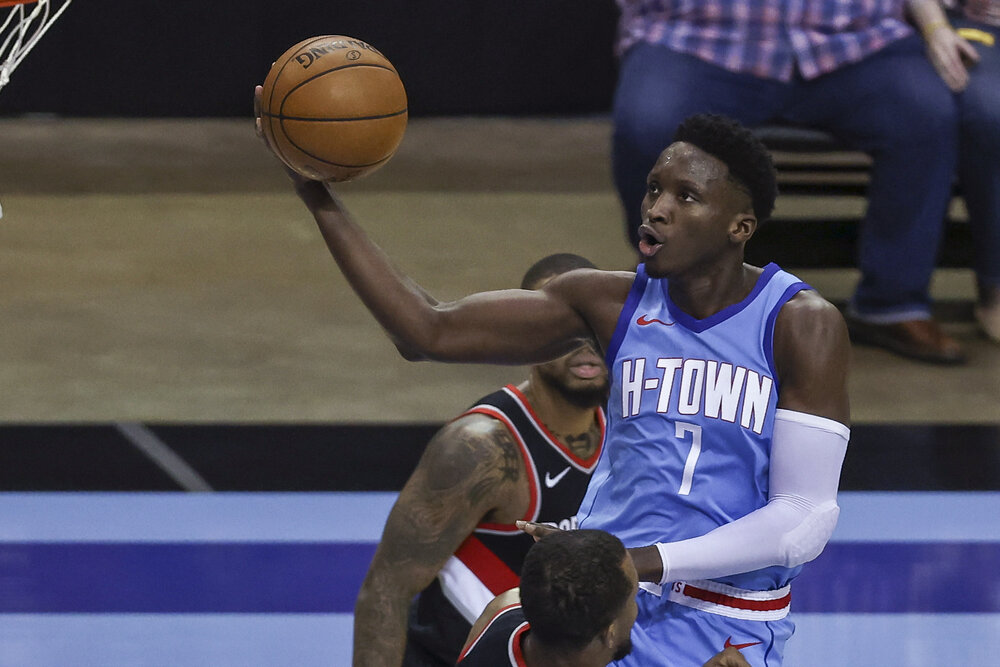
<point>508,326</point>
<point>504,327</point>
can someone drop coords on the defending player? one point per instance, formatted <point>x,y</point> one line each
<point>728,411</point>
<point>575,606</point>
<point>450,539</point>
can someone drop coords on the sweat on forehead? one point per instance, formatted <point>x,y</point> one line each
<point>694,158</point>
<point>699,166</point>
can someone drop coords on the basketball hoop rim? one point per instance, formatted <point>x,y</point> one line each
<point>11,3</point>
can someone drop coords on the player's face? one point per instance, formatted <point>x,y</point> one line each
<point>580,377</point>
<point>626,617</point>
<point>690,212</point>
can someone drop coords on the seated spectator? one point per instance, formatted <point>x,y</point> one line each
<point>576,606</point>
<point>856,70</point>
<point>965,51</point>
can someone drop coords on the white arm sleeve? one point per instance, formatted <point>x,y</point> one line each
<point>807,453</point>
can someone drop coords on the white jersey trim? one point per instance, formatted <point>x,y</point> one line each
<point>675,593</point>
<point>514,636</point>
<point>463,589</point>
<point>482,633</point>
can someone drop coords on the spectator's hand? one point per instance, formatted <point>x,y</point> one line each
<point>951,56</point>
<point>536,530</point>
<point>731,657</point>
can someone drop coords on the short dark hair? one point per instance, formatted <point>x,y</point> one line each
<point>553,265</point>
<point>573,586</point>
<point>749,162</point>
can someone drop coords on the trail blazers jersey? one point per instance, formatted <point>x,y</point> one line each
<point>690,418</point>
<point>489,561</point>
<point>499,644</point>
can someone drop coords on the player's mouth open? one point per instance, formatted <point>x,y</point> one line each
<point>586,364</point>
<point>586,371</point>
<point>648,244</point>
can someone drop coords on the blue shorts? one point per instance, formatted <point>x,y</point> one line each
<point>668,634</point>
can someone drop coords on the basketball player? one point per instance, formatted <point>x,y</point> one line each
<point>728,413</point>
<point>450,539</point>
<point>575,606</point>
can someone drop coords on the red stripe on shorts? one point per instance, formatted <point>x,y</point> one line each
<point>736,603</point>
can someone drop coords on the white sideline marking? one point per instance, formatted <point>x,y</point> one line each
<point>160,454</point>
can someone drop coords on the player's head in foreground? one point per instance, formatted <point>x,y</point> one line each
<point>578,591</point>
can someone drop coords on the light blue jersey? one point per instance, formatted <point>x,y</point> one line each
<point>689,425</point>
<point>690,418</point>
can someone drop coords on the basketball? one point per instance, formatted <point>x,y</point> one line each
<point>333,108</point>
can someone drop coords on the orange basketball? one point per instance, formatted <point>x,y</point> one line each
<point>333,108</point>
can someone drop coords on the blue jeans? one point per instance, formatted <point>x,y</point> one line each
<point>979,154</point>
<point>891,105</point>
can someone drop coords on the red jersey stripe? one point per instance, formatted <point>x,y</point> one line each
<point>487,566</point>
<point>517,652</point>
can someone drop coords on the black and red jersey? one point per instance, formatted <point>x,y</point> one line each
<point>499,644</point>
<point>489,561</point>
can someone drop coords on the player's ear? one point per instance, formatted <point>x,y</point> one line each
<point>742,226</point>
<point>608,637</point>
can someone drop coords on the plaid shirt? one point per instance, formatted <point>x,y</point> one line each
<point>767,38</point>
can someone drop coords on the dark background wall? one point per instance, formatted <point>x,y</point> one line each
<point>191,59</point>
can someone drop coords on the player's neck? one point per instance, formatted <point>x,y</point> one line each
<point>706,293</point>
<point>558,414</point>
<point>537,654</point>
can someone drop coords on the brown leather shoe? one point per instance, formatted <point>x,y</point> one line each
<point>987,311</point>
<point>989,321</point>
<point>917,339</point>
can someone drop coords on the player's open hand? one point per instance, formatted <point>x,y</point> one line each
<point>536,530</point>
<point>731,657</point>
<point>258,127</point>
<point>313,193</point>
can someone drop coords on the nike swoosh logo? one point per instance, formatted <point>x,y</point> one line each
<point>551,481</point>
<point>730,644</point>
<point>642,322</point>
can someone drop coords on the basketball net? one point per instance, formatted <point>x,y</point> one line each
<point>22,24</point>
<point>25,23</point>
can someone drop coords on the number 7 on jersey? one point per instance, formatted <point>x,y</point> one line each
<point>682,429</point>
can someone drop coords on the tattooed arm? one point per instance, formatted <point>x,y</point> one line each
<point>471,470</point>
